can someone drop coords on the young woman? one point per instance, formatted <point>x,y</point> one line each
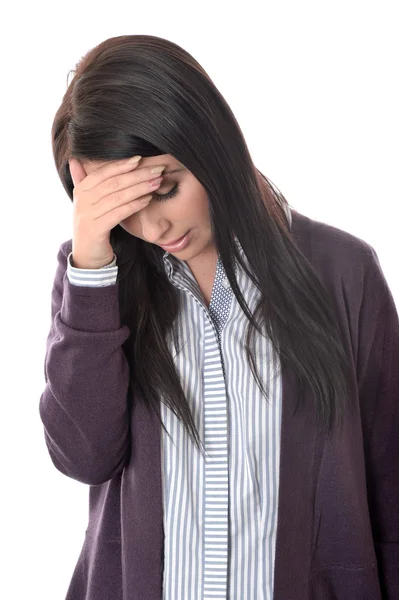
<point>221,370</point>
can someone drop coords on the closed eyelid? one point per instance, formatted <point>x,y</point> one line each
<point>173,171</point>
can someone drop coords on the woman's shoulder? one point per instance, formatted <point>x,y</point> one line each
<point>331,248</point>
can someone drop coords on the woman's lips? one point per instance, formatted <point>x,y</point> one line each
<point>174,241</point>
<point>179,245</point>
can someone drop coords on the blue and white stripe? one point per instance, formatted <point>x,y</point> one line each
<point>220,512</point>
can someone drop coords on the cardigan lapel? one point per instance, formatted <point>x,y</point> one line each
<point>300,457</point>
<point>142,508</point>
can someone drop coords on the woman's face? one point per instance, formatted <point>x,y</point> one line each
<point>167,220</point>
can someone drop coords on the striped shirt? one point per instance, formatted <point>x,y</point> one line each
<point>219,511</point>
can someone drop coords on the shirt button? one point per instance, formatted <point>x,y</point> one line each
<point>226,283</point>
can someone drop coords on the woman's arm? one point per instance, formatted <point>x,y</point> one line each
<point>84,405</point>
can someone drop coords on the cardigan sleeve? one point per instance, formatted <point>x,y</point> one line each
<point>378,385</point>
<point>84,405</point>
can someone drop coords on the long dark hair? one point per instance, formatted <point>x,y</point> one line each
<point>141,94</point>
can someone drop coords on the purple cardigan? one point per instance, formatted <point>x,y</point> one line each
<point>338,513</point>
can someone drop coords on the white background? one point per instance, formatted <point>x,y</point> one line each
<point>314,86</point>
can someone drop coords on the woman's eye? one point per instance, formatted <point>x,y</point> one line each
<point>168,195</point>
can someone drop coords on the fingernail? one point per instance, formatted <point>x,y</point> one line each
<point>158,169</point>
<point>134,159</point>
